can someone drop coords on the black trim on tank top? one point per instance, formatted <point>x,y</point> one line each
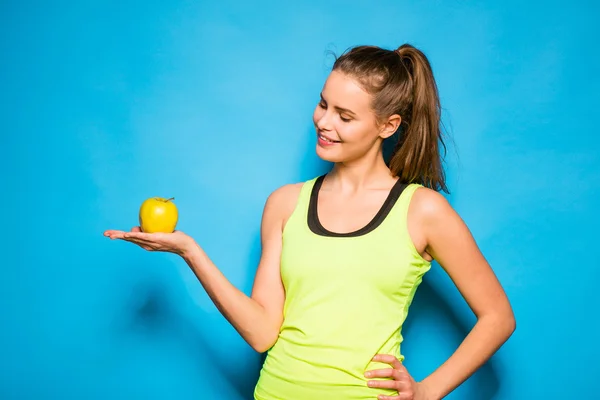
<point>315,225</point>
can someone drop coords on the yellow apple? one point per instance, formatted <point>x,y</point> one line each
<point>158,215</point>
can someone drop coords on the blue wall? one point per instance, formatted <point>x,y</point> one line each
<point>103,104</point>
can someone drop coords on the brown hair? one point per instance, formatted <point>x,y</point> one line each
<point>401,82</point>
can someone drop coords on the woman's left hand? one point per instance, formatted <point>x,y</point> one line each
<point>401,380</point>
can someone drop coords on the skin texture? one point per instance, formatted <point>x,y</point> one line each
<point>350,196</point>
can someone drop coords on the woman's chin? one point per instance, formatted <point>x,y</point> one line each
<point>326,154</point>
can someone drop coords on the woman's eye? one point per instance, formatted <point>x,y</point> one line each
<point>345,119</point>
<point>322,105</point>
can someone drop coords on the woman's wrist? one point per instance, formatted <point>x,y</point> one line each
<point>189,251</point>
<point>428,393</point>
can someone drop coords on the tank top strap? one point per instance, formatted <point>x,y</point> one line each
<point>297,220</point>
<point>397,224</point>
<point>399,211</point>
<point>306,193</point>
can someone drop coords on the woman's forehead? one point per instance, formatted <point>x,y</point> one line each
<point>345,91</point>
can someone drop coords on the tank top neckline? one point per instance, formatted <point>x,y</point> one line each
<point>314,223</point>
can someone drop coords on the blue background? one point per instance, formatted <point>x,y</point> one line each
<point>104,104</point>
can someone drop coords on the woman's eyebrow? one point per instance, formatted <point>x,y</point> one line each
<point>339,109</point>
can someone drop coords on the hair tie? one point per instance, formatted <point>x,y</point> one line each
<point>405,59</point>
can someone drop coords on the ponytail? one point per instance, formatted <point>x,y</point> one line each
<point>416,157</point>
<point>402,83</point>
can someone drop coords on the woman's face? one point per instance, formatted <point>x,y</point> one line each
<point>345,123</point>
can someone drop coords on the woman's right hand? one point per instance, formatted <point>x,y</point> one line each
<point>176,242</point>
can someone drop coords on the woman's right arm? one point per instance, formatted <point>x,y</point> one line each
<point>258,317</point>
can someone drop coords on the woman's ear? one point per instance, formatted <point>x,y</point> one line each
<point>390,126</point>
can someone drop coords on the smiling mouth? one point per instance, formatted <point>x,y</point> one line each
<point>326,139</point>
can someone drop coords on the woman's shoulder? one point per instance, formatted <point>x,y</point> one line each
<point>286,192</point>
<point>283,199</point>
<point>429,204</point>
<point>290,191</point>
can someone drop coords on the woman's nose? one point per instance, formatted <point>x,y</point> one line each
<point>324,122</point>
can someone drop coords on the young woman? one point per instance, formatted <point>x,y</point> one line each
<point>343,253</point>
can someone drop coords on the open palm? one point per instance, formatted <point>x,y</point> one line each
<point>176,242</point>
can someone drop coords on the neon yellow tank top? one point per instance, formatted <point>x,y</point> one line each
<point>347,296</point>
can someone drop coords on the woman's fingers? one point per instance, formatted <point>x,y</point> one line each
<point>389,384</point>
<point>389,359</point>
<point>398,378</point>
<point>399,397</point>
<point>149,237</point>
<point>137,237</point>
<point>157,241</point>
<point>118,234</point>
<point>114,234</point>
<point>380,373</point>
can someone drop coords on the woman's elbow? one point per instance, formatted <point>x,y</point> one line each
<point>264,344</point>
<point>262,347</point>
<point>511,324</point>
<point>505,322</point>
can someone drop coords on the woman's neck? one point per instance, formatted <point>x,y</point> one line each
<point>359,175</point>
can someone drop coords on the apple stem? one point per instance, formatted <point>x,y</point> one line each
<point>172,198</point>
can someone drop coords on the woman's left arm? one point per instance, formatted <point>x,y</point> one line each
<point>451,244</point>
